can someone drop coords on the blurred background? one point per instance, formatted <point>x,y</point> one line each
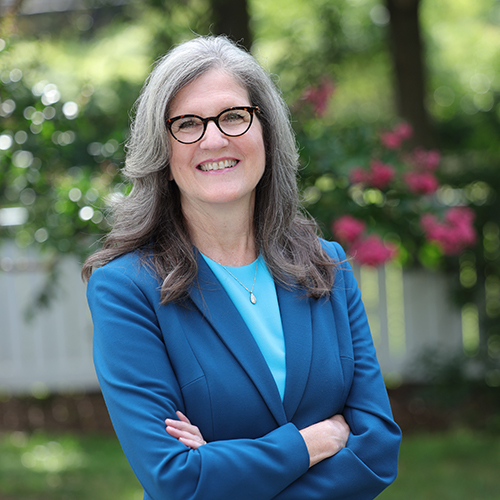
<point>396,106</point>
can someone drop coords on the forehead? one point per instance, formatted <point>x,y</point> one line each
<point>209,94</point>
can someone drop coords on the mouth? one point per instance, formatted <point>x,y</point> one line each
<point>217,165</point>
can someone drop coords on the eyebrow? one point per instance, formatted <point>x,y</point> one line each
<point>242,106</point>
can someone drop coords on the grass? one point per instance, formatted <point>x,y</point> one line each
<point>455,465</point>
<point>459,465</point>
<point>65,467</point>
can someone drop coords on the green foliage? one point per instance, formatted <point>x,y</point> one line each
<point>170,22</point>
<point>464,67</point>
<point>59,159</point>
<point>302,41</point>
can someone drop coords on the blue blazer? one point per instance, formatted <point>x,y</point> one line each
<point>199,357</point>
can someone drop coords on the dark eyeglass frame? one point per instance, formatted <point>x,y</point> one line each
<point>250,109</point>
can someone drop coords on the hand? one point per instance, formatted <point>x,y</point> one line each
<point>326,438</point>
<point>185,431</point>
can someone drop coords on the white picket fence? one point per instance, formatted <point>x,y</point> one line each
<point>408,313</point>
<point>53,350</point>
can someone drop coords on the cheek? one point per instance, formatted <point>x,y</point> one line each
<point>254,143</point>
<point>260,145</point>
<point>262,157</point>
<point>178,159</point>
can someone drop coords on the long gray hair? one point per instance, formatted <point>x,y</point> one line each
<point>150,218</point>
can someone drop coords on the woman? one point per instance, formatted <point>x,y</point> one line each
<point>230,342</point>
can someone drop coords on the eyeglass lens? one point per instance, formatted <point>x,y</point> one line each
<point>233,122</point>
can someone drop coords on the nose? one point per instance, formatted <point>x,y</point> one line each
<point>213,138</point>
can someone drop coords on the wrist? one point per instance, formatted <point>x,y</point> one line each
<point>316,443</point>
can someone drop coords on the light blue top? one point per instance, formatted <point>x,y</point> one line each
<point>262,318</point>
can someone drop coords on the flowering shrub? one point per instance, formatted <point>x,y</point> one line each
<point>378,176</point>
<point>396,212</point>
<point>372,251</point>
<point>395,138</point>
<point>421,182</point>
<point>455,234</point>
<point>348,229</point>
<point>421,178</point>
<point>319,96</point>
<point>369,250</point>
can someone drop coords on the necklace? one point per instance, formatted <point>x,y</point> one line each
<point>253,298</point>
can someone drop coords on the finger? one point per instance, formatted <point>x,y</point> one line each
<point>182,417</point>
<point>180,425</point>
<point>191,443</point>
<point>177,433</point>
<point>339,418</point>
<point>184,430</point>
<point>189,440</point>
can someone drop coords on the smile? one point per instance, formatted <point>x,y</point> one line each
<point>217,165</point>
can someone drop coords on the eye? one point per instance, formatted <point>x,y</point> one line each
<point>186,124</point>
<point>235,116</point>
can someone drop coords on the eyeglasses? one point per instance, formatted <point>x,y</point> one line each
<point>232,122</point>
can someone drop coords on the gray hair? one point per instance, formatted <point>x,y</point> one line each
<point>151,216</point>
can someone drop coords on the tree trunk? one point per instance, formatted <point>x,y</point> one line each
<point>231,18</point>
<point>409,70</point>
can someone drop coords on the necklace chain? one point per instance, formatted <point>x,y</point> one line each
<point>253,298</point>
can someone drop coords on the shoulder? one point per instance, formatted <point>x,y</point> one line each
<point>334,250</point>
<point>344,277</point>
<point>342,266</point>
<point>131,267</point>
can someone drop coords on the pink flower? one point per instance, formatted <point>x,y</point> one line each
<point>348,228</point>
<point>381,174</point>
<point>404,130</point>
<point>454,234</point>
<point>425,160</point>
<point>428,222</point>
<point>358,175</point>
<point>319,95</point>
<point>459,216</point>
<point>391,140</point>
<point>461,219</point>
<point>372,251</point>
<point>421,182</point>
<point>395,138</point>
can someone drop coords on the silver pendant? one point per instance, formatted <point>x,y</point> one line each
<point>253,299</point>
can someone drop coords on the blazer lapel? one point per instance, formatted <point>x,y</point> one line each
<point>297,327</point>
<point>218,309</point>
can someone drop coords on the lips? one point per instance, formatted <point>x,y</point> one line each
<point>217,165</point>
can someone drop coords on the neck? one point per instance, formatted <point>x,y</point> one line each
<point>223,233</point>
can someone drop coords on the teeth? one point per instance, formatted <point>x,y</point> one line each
<point>217,165</point>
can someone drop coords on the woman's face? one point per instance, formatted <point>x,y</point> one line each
<point>193,165</point>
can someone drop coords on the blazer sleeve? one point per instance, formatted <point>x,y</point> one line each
<point>141,390</point>
<point>369,462</point>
